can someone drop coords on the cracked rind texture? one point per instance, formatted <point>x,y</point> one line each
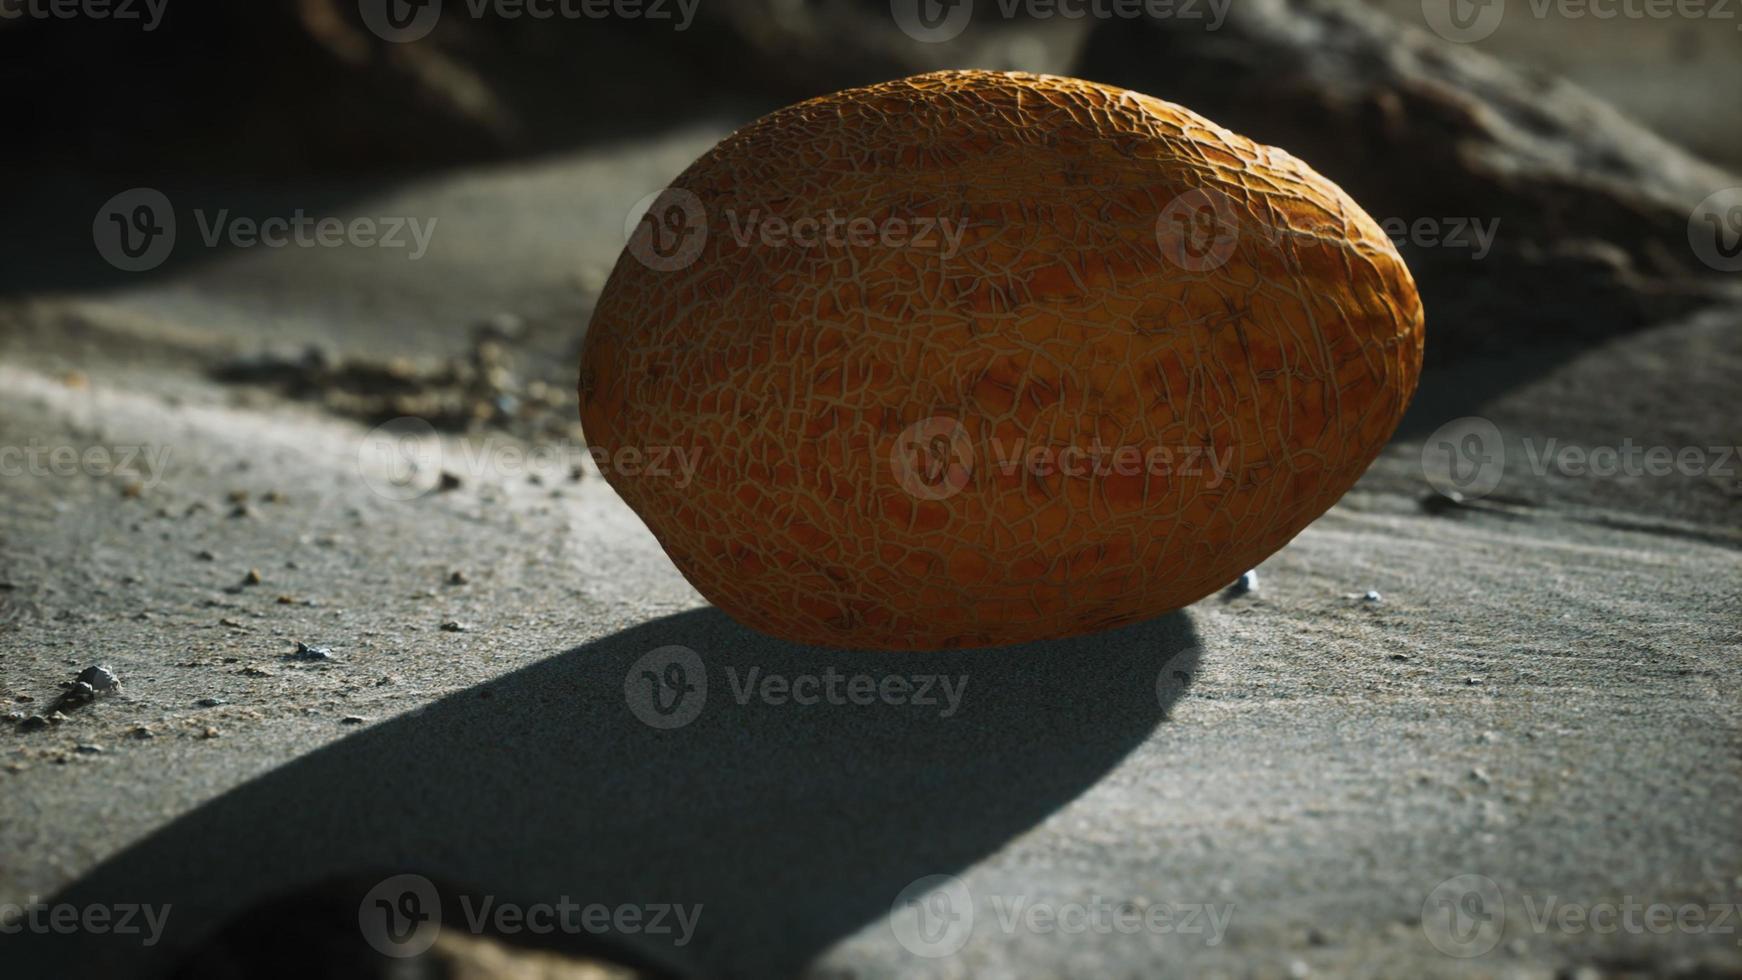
<point>1077,312</point>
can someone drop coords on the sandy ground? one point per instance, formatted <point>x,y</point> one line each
<point>1544,694</point>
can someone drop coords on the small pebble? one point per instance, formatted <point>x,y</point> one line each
<point>1472,680</point>
<point>1248,582</point>
<point>352,720</point>
<point>252,578</point>
<point>241,510</point>
<point>1372,596</point>
<point>453,626</point>
<point>210,732</point>
<point>79,693</point>
<point>143,731</point>
<point>457,577</point>
<point>35,723</point>
<point>449,481</point>
<point>101,679</point>
<point>306,652</point>
<point>210,702</point>
<point>206,556</point>
<point>1400,656</point>
<point>88,749</point>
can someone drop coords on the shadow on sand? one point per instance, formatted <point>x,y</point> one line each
<point>792,826</point>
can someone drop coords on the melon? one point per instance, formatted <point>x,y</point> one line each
<point>977,358</point>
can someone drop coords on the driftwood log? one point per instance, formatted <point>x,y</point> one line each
<point>1590,212</point>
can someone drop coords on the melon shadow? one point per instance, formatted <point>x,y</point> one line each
<point>792,826</point>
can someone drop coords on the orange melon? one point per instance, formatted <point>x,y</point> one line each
<point>975,358</point>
